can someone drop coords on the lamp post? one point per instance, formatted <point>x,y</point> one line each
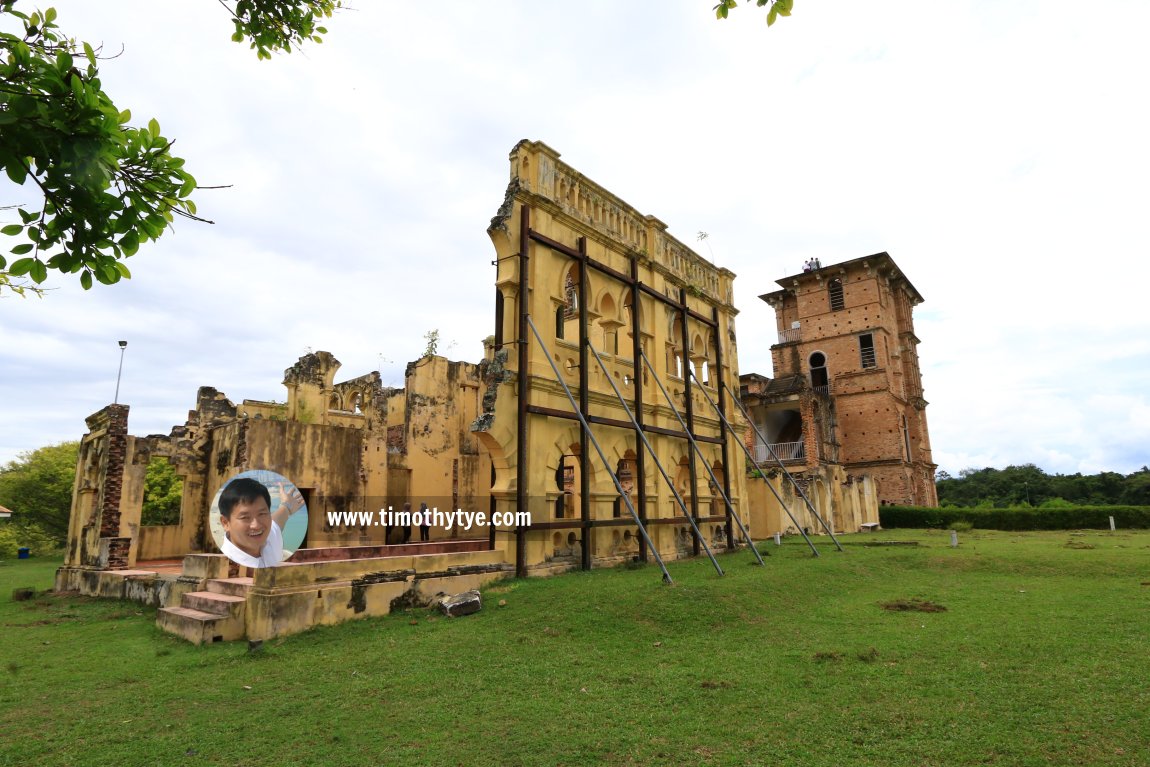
<point>123,346</point>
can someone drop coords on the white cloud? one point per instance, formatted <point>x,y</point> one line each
<point>996,152</point>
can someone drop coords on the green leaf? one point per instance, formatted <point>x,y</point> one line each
<point>21,267</point>
<point>38,272</point>
<point>16,172</point>
<point>130,243</point>
<point>125,116</point>
<point>154,128</point>
<point>22,248</point>
<point>123,270</point>
<point>12,229</point>
<point>28,217</point>
<point>86,280</point>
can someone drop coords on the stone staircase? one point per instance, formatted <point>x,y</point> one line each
<point>214,615</point>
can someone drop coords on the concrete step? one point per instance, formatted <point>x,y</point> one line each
<point>199,627</point>
<point>236,587</point>
<point>224,605</point>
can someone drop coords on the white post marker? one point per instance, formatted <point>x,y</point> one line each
<point>1112,528</point>
<point>954,539</point>
<point>778,541</point>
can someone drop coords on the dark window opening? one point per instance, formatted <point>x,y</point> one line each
<point>820,379</point>
<point>866,350</point>
<point>906,438</point>
<point>498,320</point>
<point>835,291</point>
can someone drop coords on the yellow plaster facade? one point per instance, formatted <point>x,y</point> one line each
<point>569,252</point>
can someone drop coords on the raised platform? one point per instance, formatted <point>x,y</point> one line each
<point>393,550</point>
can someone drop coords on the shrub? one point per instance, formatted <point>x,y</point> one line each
<point>1072,518</point>
<point>14,537</point>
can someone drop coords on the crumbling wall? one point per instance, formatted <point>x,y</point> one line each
<point>844,501</point>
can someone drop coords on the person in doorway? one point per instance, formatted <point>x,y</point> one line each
<point>424,523</point>
<point>405,522</point>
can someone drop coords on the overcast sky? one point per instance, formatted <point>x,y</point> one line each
<point>998,151</point>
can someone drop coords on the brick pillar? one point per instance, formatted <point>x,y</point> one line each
<point>811,430</point>
<point>113,549</point>
<point>114,470</point>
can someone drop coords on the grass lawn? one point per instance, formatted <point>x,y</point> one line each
<point>1039,658</point>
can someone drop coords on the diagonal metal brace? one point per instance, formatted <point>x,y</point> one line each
<point>607,464</point>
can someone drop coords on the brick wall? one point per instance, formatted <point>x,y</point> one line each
<point>117,446</point>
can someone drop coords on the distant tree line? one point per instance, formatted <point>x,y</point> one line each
<point>1028,485</point>
<point>37,488</point>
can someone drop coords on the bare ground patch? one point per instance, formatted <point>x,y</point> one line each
<point>913,605</point>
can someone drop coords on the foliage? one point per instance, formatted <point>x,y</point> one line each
<point>37,487</point>
<point>104,187</point>
<point>777,8</point>
<point>277,25</point>
<point>432,338</point>
<point>163,494</point>
<point>1029,485</point>
<point>14,537</point>
<point>1020,518</point>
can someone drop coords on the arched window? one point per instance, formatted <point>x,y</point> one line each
<point>835,293</point>
<point>820,380</point>
<point>609,325</point>
<point>698,358</point>
<point>568,313</point>
<point>571,293</point>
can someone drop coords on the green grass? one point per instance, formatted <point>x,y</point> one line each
<point>1040,658</point>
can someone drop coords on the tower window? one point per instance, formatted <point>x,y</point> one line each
<point>835,292</point>
<point>819,378</point>
<point>866,350</point>
<point>906,438</point>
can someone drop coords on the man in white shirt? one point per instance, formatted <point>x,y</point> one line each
<point>253,535</point>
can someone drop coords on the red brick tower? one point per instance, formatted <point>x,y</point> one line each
<point>846,331</point>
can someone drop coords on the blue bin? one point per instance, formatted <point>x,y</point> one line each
<point>23,552</point>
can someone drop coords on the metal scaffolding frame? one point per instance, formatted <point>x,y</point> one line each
<point>794,482</point>
<point>695,445</point>
<point>581,408</point>
<point>580,411</point>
